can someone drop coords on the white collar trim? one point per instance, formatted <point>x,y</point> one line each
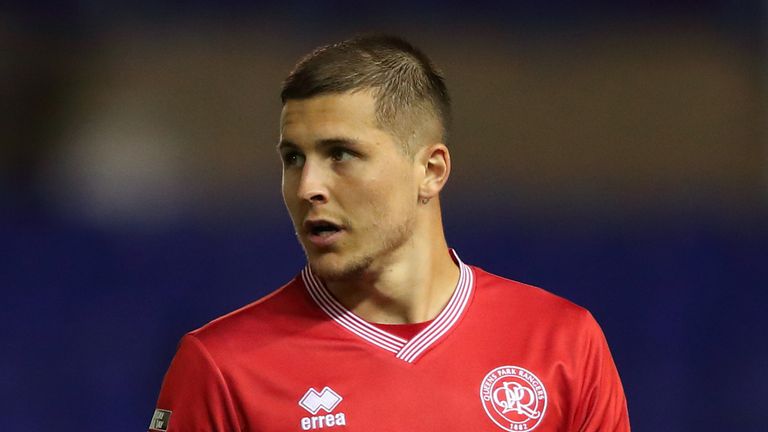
<point>406,350</point>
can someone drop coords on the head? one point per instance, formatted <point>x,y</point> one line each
<point>411,96</point>
<point>362,141</point>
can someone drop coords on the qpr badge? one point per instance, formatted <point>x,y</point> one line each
<point>514,398</point>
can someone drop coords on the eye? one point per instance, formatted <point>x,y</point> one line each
<point>293,158</point>
<point>339,154</point>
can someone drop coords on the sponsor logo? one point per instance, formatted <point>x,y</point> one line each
<point>160,420</point>
<point>314,401</point>
<point>326,400</point>
<point>514,398</point>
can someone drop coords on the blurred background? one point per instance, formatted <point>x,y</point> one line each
<point>615,153</point>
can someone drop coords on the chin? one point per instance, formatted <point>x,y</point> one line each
<point>332,266</point>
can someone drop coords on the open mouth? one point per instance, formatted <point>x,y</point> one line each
<point>322,228</point>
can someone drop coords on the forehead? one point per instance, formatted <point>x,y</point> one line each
<point>329,114</point>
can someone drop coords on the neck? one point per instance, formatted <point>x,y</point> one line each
<point>412,284</point>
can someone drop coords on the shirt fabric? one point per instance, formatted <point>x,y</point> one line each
<point>500,356</point>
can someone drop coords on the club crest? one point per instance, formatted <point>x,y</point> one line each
<point>514,398</point>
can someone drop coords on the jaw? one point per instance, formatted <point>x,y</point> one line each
<point>337,266</point>
<point>366,255</point>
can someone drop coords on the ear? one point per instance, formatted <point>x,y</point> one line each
<point>436,162</point>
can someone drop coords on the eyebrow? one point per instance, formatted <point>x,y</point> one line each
<point>285,144</point>
<point>323,143</point>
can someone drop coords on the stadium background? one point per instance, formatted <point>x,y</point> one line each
<point>614,153</point>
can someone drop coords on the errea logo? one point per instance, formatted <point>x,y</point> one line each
<point>314,401</point>
<point>326,400</point>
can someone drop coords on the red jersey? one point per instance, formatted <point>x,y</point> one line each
<point>501,356</point>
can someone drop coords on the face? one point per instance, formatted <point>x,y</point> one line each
<point>350,189</point>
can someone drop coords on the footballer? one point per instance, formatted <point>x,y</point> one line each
<point>385,328</point>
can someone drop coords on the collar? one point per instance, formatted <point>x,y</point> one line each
<point>406,350</point>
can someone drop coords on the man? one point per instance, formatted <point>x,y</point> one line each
<point>386,329</point>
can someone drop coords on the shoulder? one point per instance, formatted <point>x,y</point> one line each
<point>521,302</point>
<point>265,319</point>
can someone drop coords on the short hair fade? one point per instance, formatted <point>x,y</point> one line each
<point>406,83</point>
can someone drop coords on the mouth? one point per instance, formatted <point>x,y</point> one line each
<point>322,233</point>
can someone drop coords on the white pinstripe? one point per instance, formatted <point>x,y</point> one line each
<point>444,322</point>
<point>405,350</point>
<point>347,319</point>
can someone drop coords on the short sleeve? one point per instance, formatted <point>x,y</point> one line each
<point>602,405</point>
<point>194,395</point>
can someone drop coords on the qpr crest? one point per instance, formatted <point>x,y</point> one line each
<point>514,398</point>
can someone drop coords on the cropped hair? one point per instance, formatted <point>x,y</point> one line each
<point>407,86</point>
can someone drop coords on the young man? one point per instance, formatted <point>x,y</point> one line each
<point>385,329</point>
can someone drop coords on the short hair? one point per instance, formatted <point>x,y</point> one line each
<point>406,84</point>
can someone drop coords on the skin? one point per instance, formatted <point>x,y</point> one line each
<point>389,263</point>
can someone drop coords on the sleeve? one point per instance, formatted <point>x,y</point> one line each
<point>194,395</point>
<point>602,405</point>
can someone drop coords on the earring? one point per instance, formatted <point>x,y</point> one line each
<point>425,200</point>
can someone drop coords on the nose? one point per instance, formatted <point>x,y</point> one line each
<point>312,184</point>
